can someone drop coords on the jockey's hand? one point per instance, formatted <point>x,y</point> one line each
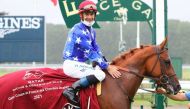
<point>113,71</point>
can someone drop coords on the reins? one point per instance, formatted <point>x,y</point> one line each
<point>130,71</point>
<point>140,76</point>
<point>135,73</point>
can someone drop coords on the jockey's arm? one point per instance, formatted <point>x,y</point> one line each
<point>95,54</point>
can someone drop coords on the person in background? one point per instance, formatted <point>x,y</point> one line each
<point>180,96</point>
<point>80,48</point>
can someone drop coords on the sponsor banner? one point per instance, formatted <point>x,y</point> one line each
<point>22,38</point>
<point>109,10</point>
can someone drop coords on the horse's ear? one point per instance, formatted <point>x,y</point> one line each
<point>163,44</point>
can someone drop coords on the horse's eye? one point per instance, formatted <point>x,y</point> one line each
<point>167,62</point>
<point>164,79</point>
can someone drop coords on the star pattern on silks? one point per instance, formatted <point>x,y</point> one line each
<point>89,42</point>
<point>81,46</point>
<point>85,55</point>
<point>87,51</point>
<point>84,32</point>
<point>78,40</point>
<point>100,60</point>
<point>75,59</point>
<point>67,53</point>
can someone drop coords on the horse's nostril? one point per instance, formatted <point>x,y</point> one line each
<point>178,87</point>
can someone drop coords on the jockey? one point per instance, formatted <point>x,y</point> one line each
<point>80,49</point>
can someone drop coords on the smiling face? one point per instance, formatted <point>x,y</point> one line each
<point>88,16</point>
<point>87,11</point>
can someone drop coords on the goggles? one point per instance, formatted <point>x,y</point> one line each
<point>89,7</point>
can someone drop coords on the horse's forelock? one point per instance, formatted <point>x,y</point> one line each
<point>141,47</point>
<point>131,51</point>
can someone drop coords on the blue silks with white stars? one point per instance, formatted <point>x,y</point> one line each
<point>81,46</point>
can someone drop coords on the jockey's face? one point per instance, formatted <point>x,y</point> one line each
<point>88,16</point>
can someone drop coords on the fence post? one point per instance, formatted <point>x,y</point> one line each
<point>141,106</point>
<point>159,101</point>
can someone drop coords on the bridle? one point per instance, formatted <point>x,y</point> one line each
<point>162,80</point>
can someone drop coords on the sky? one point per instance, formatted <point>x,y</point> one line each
<point>177,9</point>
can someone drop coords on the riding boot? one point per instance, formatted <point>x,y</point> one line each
<point>70,92</point>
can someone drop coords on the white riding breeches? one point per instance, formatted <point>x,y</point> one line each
<point>77,69</point>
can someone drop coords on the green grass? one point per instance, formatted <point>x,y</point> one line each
<point>6,71</point>
<point>147,100</point>
<point>2,73</point>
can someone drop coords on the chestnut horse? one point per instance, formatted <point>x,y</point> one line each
<point>149,61</point>
<point>42,88</point>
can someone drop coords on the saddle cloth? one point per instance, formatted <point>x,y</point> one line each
<point>41,88</point>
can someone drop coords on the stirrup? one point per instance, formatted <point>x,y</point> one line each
<point>71,96</point>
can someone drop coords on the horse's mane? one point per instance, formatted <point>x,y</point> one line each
<point>127,54</point>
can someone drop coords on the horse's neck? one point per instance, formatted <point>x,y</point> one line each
<point>130,83</point>
<point>123,89</point>
<point>127,84</point>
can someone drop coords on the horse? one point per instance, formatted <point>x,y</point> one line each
<point>145,62</point>
<point>151,61</point>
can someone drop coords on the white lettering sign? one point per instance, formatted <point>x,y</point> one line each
<point>137,5</point>
<point>20,23</point>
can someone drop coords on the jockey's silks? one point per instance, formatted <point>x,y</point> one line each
<point>81,46</point>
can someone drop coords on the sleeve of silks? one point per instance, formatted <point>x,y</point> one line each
<point>94,56</point>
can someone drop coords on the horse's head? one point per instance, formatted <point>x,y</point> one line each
<point>160,68</point>
<point>152,62</point>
